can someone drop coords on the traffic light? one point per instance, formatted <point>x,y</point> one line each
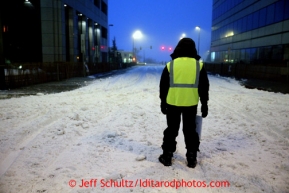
<point>163,48</point>
<point>170,48</point>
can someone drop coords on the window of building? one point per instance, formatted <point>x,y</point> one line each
<point>104,7</point>
<point>255,20</point>
<point>247,55</point>
<point>225,56</point>
<point>279,11</point>
<point>262,17</point>
<point>286,52</point>
<point>242,55</point>
<point>235,27</point>
<point>253,55</point>
<point>240,23</point>
<point>213,56</point>
<point>103,32</point>
<point>97,3</point>
<point>230,29</point>
<point>232,56</point>
<point>250,22</point>
<point>229,5</point>
<point>270,14</point>
<point>277,54</point>
<point>286,11</point>
<point>264,53</point>
<point>224,7</point>
<point>244,24</point>
<point>273,13</point>
<point>218,57</point>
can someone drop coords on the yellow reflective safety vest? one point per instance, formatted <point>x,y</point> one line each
<point>184,81</point>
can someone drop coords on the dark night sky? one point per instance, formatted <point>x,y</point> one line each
<point>162,23</point>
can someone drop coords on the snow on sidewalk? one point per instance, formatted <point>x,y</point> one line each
<point>113,129</point>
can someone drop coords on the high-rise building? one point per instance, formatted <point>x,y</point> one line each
<point>54,30</point>
<point>250,31</point>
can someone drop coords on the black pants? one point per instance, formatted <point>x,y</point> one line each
<point>189,128</point>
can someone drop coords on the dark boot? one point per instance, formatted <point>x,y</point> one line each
<point>166,158</point>
<point>192,159</point>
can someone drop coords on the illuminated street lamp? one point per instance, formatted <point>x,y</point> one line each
<point>183,35</point>
<point>136,35</point>
<point>199,29</point>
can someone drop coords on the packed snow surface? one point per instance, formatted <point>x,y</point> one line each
<point>109,133</point>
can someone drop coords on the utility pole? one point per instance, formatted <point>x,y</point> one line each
<point>199,29</point>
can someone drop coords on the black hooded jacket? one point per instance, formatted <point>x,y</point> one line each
<point>185,48</point>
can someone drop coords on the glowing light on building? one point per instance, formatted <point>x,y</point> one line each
<point>229,34</point>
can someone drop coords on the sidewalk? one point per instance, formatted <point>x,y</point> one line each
<point>57,86</point>
<point>266,85</point>
<point>270,86</point>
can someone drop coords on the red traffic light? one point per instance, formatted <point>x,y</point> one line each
<point>163,48</point>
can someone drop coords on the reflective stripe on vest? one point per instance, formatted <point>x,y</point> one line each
<point>173,84</point>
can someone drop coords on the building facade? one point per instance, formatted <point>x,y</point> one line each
<point>250,31</point>
<point>55,30</point>
<point>127,56</point>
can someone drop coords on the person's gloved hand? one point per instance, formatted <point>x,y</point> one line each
<point>164,108</point>
<point>204,110</point>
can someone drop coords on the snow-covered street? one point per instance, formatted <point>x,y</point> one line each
<point>113,129</point>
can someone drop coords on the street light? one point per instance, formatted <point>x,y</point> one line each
<point>136,35</point>
<point>199,29</point>
<point>183,35</point>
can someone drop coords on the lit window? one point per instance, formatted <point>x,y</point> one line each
<point>213,55</point>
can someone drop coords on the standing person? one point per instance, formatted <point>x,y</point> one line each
<point>184,80</point>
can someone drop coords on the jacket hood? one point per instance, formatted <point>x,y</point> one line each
<point>185,48</point>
